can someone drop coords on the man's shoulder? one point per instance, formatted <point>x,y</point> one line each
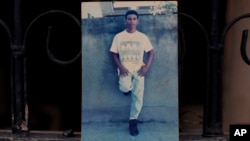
<point>119,34</point>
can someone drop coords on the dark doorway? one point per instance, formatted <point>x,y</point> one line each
<point>5,81</point>
<point>54,89</point>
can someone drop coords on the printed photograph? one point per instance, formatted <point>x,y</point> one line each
<point>129,71</point>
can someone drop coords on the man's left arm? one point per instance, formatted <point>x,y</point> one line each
<point>144,68</point>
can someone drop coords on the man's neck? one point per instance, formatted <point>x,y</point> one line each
<point>131,30</point>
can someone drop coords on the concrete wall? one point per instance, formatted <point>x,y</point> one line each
<point>101,99</point>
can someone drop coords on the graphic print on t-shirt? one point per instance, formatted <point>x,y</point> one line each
<point>130,51</point>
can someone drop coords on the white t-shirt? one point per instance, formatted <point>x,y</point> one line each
<point>131,48</point>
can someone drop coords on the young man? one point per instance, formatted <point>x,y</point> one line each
<point>127,50</point>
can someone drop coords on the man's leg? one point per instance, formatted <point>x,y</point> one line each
<point>137,96</point>
<point>125,83</point>
<point>137,102</point>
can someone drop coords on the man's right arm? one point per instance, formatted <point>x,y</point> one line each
<point>122,69</point>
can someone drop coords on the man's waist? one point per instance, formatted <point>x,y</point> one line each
<point>133,65</point>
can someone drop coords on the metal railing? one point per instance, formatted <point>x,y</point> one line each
<point>18,83</point>
<point>19,104</point>
<point>212,125</point>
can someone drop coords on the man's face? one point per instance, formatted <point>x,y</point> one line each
<point>131,21</point>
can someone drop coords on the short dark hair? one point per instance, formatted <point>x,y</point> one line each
<point>131,12</point>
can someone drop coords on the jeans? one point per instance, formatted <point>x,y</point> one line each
<point>134,83</point>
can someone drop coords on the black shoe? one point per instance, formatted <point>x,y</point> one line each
<point>133,127</point>
<point>127,93</point>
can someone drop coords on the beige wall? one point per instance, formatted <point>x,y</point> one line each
<point>236,73</point>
